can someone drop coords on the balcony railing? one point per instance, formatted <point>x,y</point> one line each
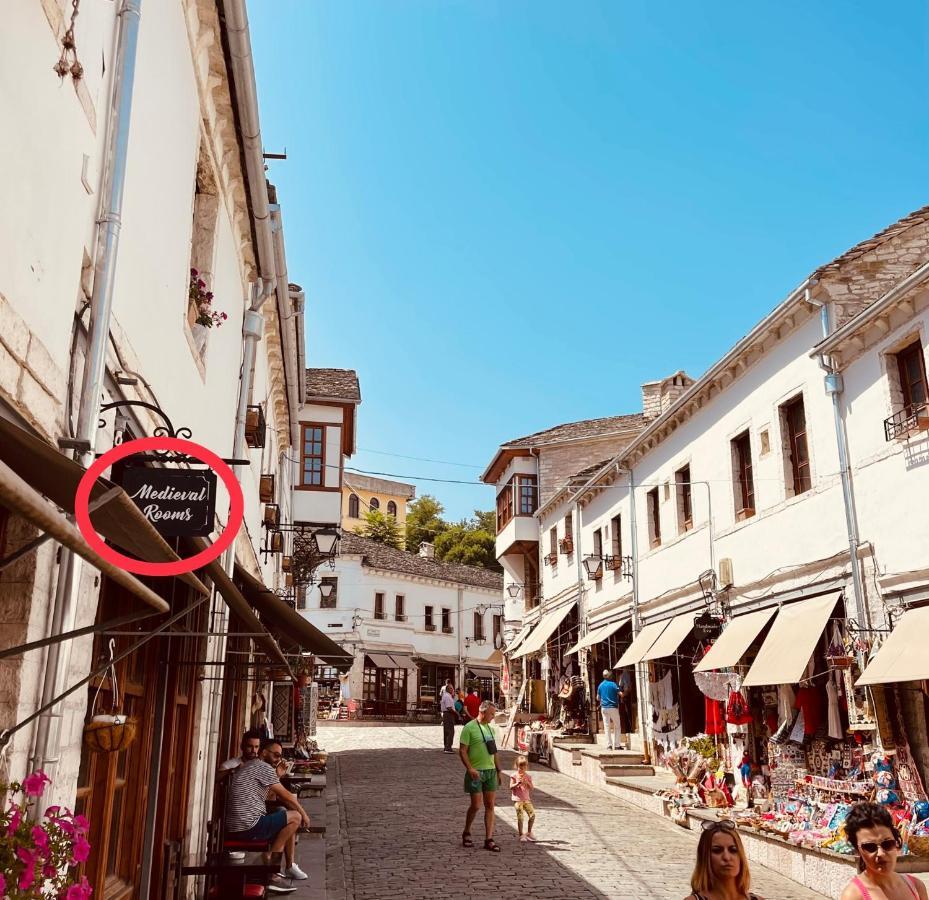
<point>552,559</point>
<point>621,564</point>
<point>430,626</point>
<point>909,420</point>
<point>447,629</point>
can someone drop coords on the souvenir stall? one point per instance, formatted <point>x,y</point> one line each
<point>791,740</point>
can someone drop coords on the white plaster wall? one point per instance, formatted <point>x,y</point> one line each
<point>564,574</point>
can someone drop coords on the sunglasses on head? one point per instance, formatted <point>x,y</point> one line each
<point>722,823</point>
<point>886,846</point>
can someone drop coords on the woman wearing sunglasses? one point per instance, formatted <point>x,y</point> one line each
<point>870,830</point>
<point>721,872</point>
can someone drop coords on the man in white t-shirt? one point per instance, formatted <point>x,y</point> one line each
<point>449,716</point>
<point>250,746</point>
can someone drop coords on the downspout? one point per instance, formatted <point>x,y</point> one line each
<point>58,659</point>
<point>583,657</point>
<point>834,388</point>
<point>298,299</point>
<point>461,659</point>
<point>641,672</point>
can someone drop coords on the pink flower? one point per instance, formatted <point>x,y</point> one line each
<point>66,827</point>
<point>209,295</point>
<point>201,283</point>
<point>34,785</point>
<point>80,891</point>
<point>81,849</point>
<point>2,885</point>
<point>40,839</point>
<point>15,818</point>
<point>52,811</point>
<point>81,823</point>
<point>49,871</point>
<point>29,859</point>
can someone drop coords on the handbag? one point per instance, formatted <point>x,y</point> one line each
<point>490,743</point>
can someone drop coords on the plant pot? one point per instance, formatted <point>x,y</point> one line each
<point>109,733</point>
<point>266,488</point>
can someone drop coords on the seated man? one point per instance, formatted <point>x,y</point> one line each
<point>250,746</point>
<point>250,786</point>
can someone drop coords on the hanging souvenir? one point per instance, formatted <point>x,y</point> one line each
<point>737,711</point>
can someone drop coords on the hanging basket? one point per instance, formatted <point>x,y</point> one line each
<point>109,733</point>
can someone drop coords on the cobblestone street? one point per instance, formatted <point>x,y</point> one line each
<point>402,811</point>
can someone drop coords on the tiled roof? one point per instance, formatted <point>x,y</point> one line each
<point>333,384</point>
<point>914,218</point>
<point>576,431</point>
<point>380,556</point>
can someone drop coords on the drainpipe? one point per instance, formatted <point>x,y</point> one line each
<point>286,311</point>
<point>834,388</point>
<point>58,659</point>
<point>461,659</point>
<point>583,655</point>
<point>641,672</point>
<point>298,299</point>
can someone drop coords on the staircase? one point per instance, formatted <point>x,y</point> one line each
<point>617,764</point>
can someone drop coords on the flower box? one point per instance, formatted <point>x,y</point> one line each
<point>266,489</point>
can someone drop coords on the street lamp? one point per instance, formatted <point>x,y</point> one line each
<point>514,590</point>
<point>593,566</point>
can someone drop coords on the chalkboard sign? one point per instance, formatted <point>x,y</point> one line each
<point>707,626</point>
<point>178,502</point>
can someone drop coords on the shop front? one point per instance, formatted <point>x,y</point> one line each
<point>433,671</point>
<point>384,686</point>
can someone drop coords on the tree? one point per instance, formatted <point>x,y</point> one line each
<point>466,544</point>
<point>424,522</point>
<point>380,527</point>
<point>486,520</point>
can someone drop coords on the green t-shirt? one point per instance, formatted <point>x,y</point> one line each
<point>472,737</point>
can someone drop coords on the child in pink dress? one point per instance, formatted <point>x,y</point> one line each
<point>521,794</point>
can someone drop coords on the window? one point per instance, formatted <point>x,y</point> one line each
<point>446,621</point>
<point>300,595</point>
<point>399,612</point>
<point>744,479</point>
<point>498,630</point>
<point>353,506</point>
<point>553,546</point>
<point>764,437</point>
<point>653,509</point>
<point>374,503</point>
<point>616,549</point>
<point>685,509</point>
<point>379,606</point>
<point>796,453</point>
<point>332,600</point>
<point>504,506</point>
<point>598,546</point>
<point>314,457</point>
<point>202,253</point>
<point>528,495</point>
<point>391,508</point>
<point>478,626</point>
<point>911,369</point>
<point>430,625</point>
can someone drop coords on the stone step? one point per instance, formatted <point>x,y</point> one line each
<point>571,740</point>
<point>626,757</point>
<point>626,770</point>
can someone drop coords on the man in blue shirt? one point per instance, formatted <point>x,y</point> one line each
<point>608,692</point>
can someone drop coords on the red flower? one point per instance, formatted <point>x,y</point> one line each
<point>49,871</point>
<point>29,858</point>
<point>34,784</point>
<point>80,891</point>
<point>194,273</point>
<point>81,849</point>
<point>82,823</point>
<point>40,839</point>
<point>15,818</point>
<point>201,283</point>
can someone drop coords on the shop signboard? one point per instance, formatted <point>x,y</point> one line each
<point>178,502</point>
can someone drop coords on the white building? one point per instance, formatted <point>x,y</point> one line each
<point>411,621</point>
<point>169,159</point>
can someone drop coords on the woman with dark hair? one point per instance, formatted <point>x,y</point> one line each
<point>721,872</point>
<point>870,830</point>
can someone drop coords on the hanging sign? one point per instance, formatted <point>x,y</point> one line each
<point>707,626</point>
<point>178,502</point>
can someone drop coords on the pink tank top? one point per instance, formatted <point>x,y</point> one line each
<point>866,894</point>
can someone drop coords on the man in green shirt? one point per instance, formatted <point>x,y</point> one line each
<point>478,752</point>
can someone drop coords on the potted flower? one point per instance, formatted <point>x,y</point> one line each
<point>40,858</point>
<point>207,317</point>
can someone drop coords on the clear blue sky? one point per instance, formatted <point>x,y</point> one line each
<point>508,215</point>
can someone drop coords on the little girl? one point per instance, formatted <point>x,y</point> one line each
<point>521,793</point>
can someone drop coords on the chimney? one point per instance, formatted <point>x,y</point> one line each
<point>672,388</point>
<point>651,400</point>
<point>426,550</point>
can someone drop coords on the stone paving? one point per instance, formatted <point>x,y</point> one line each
<point>401,805</point>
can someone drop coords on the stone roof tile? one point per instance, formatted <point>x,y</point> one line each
<point>334,384</point>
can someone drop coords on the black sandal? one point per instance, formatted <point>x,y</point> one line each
<point>466,839</point>
<point>490,845</point>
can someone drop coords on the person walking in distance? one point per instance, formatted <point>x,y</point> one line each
<point>478,752</point>
<point>721,872</point>
<point>608,693</point>
<point>449,716</point>
<point>521,794</point>
<point>472,702</point>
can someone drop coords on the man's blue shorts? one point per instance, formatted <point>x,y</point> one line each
<point>265,829</point>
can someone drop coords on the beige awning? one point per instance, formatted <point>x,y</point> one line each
<point>902,656</point>
<point>380,661</point>
<point>547,626</point>
<point>436,659</point>
<point>523,634</point>
<point>791,641</point>
<point>670,639</point>
<point>289,626</point>
<point>19,497</point>
<point>596,636</point>
<point>640,645</point>
<point>56,476</point>
<point>403,662</point>
<point>736,638</point>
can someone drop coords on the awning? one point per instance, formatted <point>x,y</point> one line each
<point>402,662</point>
<point>233,598</point>
<point>288,625</point>
<point>791,641</point>
<point>19,497</point>
<point>902,656</point>
<point>436,659</point>
<point>380,661</point>
<point>523,634</point>
<point>56,476</point>
<point>596,636</point>
<point>547,626</point>
<point>735,640</point>
<point>670,639</point>
<point>640,645</point>
<point>483,671</point>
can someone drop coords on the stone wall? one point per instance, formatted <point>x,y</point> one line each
<point>558,463</point>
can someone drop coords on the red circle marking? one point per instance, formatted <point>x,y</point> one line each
<point>164,569</point>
